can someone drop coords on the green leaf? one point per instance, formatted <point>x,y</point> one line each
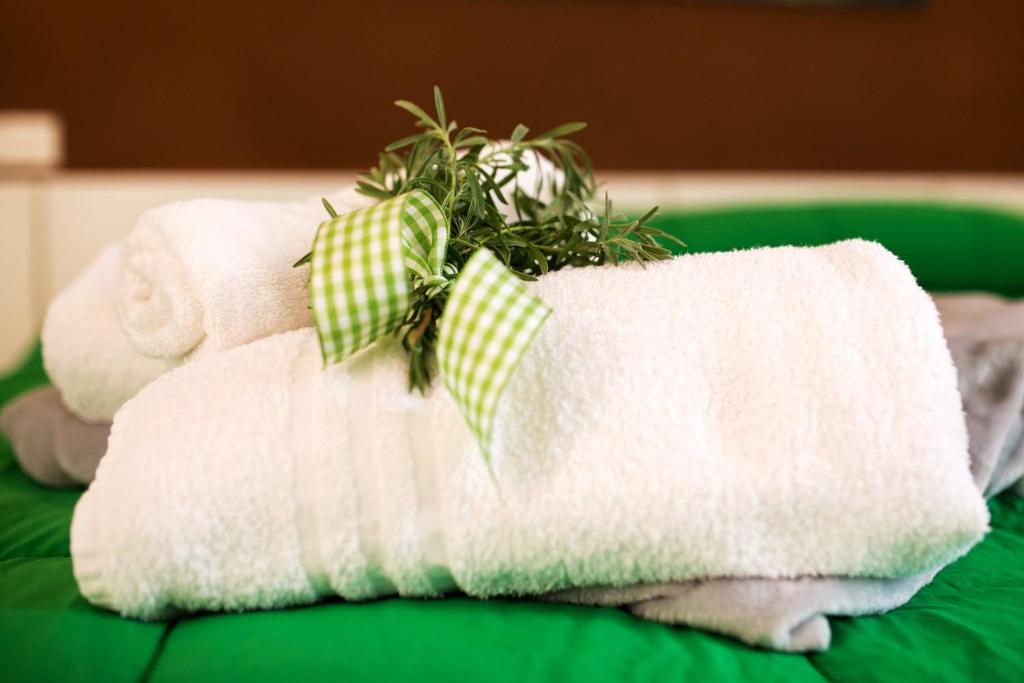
<point>417,112</point>
<point>439,106</point>
<point>469,130</point>
<point>563,130</point>
<point>404,142</point>
<point>471,141</point>
<point>372,190</point>
<point>330,209</point>
<point>562,229</point>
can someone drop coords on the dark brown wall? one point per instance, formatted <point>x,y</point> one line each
<point>664,84</point>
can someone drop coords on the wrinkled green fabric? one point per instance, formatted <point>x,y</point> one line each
<point>966,626</point>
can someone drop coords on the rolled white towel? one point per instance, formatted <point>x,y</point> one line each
<point>135,311</point>
<point>85,352</point>
<point>776,413</point>
<point>206,275</point>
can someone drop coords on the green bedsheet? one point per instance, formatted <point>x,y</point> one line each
<point>966,626</point>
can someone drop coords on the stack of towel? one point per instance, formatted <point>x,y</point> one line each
<point>193,278</point>
<point>726,416</point>
<point>802,434</point>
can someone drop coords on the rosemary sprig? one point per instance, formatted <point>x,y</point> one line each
<point>472,177</point>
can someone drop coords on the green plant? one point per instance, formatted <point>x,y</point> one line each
<point>545,226</point>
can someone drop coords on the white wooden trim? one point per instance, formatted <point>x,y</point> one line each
<point>19,316</point>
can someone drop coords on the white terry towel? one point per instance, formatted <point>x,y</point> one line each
<point>136,310</point>
<point>206,275</point>
<point>85,352</point>
<point>774,413</point>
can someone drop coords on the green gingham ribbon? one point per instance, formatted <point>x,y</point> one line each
<point>366,264</point>
<point>489,322</point>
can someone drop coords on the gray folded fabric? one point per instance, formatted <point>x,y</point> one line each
<point>986,339</point>
<point>52,445</point>
<point>980,316</point>
<point>991,378</point>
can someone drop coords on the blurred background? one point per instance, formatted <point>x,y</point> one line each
<point>664,84</point>
<point>109,107</point>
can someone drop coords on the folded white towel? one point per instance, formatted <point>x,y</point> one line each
<point>206,275</point>
<point>86,354</point>
<point>776,413</point>
<point>792,614</point>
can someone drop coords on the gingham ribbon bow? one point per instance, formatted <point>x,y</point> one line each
<point>364,268</point>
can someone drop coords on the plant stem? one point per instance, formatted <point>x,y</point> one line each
<point>421,326</point>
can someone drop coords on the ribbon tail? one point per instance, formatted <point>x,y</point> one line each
<point>489,322</point>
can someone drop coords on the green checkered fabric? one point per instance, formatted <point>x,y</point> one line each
<point>360,270</point>
<point>488,324</point>
<point>364,269</point>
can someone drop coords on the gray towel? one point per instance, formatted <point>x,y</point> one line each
<point>53,446</point>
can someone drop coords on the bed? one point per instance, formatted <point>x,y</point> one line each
<point>967,625</point>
